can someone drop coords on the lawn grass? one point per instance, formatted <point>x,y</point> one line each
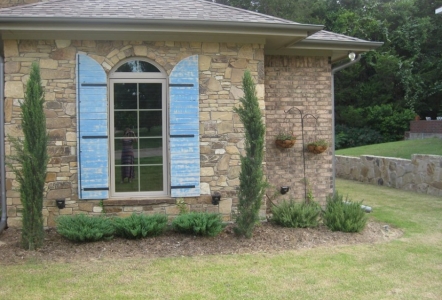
<point>401,149</point>
<point>407,268</point>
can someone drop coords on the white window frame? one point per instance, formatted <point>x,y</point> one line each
<point>142,77</point>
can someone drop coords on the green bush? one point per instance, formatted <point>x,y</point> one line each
<point>198,223</point>
<point>82,228</point>
<point>343,215</point>
<point>292,214</point>
<point>347,137</point>
<point>140,226</point>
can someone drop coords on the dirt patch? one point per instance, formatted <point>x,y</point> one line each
<point>267,238</point>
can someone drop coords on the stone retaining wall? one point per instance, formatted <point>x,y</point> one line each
<point>422,174</point>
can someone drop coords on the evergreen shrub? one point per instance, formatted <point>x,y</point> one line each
<point>198,223</point>
<point>31,157</point>
<point>343,215</point>
<point>252,183</point>
<point>296,215</point>
<point>140,226</point>
<point>82,228</point>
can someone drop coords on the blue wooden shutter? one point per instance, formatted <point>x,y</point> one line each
<point>184,128</point>
<point>92,130</point>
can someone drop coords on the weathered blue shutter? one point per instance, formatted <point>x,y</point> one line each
<point>184,128</point>
<point>92,130</point>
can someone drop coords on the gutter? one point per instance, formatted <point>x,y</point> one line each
<point>333,71</point>
<point>3,219</point>
<point>20,22</point>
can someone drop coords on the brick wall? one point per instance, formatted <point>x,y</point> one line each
<point>432,126</point>
<point>304,83</point>
<point>221,68</point>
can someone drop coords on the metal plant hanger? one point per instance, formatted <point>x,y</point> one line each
<point>294,110</point>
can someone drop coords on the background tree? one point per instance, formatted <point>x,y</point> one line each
<point>252,183</point>
<point>32,158</point>
<point>403,76</point>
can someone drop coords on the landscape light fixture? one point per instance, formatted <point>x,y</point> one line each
<point>352,56</point>
<point>216,198</point>
<point>61,203</point>
<point>284,189</point>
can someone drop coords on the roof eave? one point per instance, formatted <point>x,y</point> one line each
<point>337,45</point>
<point>35,21</point>
<point>336,50</point>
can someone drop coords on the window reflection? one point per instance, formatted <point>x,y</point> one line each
<point>137,66</point>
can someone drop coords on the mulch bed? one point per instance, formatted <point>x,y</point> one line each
<point>267,238</point>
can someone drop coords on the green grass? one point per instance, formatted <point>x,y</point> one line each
<point>401,149</point>
<point>407,268</point>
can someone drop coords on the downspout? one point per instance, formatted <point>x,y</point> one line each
<point>3,223</point>
<point>333,71</point>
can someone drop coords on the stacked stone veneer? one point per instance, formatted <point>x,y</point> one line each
<point>221,68</point>
<point>422,174</point>
<point>304,83</point>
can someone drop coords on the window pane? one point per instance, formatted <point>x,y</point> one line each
<point>150,95</point>
<point>137,66</point>
<point>125,96</point>
<point>124,120</point>
<point>125,148</point>
<point>151,178</point>
<point>151,151</point>
<point>151,123</point>
<point>126,186</point>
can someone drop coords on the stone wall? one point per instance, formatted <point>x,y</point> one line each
<point>422,174</point>
<point>304,83</point>
<point>221,68</point>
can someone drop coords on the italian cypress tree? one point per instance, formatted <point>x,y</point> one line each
<point>31,157</point>
<point>252,183</point>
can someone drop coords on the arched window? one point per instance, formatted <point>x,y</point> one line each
<point>138,129</point>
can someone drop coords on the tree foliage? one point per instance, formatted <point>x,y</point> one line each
<point>405,72</point>
<point>32,158</point>
<point>252,183</point>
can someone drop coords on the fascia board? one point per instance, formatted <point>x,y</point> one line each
<point>130,36</point>
<point>25,23</point>
<point>337,45</point>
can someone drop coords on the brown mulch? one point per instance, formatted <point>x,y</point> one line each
<point>267,238</point>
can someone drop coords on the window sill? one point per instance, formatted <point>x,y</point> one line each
<point>138,202</point>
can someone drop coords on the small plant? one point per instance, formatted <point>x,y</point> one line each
<point>101,204</point>
<point>317,147</point>
<point>140,226</point>
<point>309,193</point>
<point>198,223</point>
<point>343,215</point>
<point>322,143</point>
<point>82,228</point>
<point>296,215</point>
<point>182,206</point>
<point>285,139</point>
<point>285,136</point>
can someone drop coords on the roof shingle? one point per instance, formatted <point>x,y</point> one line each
<point>139,9</point>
